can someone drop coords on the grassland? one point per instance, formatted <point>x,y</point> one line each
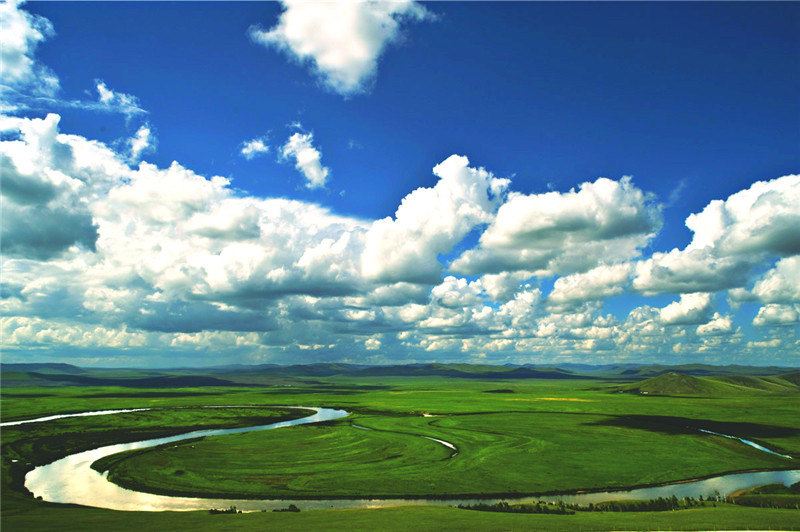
<point>499,453</point>
<point>536,436</point>
<point>771,496</point>
<point>673,383</point>
<point>724,516</point>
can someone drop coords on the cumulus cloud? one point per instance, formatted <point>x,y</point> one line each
<point>598,283</point>
<point>555,233</point>
<point>163,259</point>
<point>689,309</point>
<point>456,293</point>
<point>730,238</point>
<point>521,310</point>
<point>307,159</point>
<point>22,33</point>
<point>32,332</point>
<point>49,182</point>
<point>719,324</point>
<point>100,256</point>
<point>430,221</point>
<point>691,270</point>
<point>341,40</point>
<point>775,314</point>
<point>781,284</point>
<point>254,147</point>
<point>502,286</point>
<point>372,344</point>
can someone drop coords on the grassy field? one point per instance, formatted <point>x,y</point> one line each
<point>499,453</point>
<point>771,496</point>
<point>724,516</point>
<point>532,436</point>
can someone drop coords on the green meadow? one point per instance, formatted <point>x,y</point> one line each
<point>514,437</point>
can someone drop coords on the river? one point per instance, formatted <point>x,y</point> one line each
<point>72,480</point>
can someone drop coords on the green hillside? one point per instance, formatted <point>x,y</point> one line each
<point>673,383</point>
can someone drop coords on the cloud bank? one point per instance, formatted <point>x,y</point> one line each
<point>101,257</point>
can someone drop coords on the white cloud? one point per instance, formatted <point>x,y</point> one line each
<point>579,323</point>
<point>781,284</point>
<point>254,148</point>
<point>141,142</point>
<point>763,217</point>
<point>31,332</point>
<point>691,270</point>
<point>49,183</point>
<point>114,101</point>
<point>26,83</point>
<point>775,314</point>
<point>689,309</point>
<point>372,344</point>
<point>307,159</point>
<point>502,286</point>
<point>550,233</point>
<point>167,260</point>
<point>456,293</point>
<point>598,283</point>
<point>773,343</point>
<point>103,256</point>
<point>521,310</point>
<point>342,40</point>
<point>22,33</point>
<point>216,339</point>
<point>718,325</point>
<point>430,221</point>
<point>730,237</point>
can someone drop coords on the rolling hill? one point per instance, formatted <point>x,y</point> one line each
<point>674,383</point>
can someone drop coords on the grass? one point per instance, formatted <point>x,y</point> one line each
<point>724,516</point>
<point>26,446</point>
<point>771,496</point>
<point>499,454</point>
<point>673,383</point>
<point>541,436</point>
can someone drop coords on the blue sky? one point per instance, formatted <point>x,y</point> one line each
<point>696,102</point>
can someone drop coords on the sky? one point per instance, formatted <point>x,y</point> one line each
<point>195,184</point>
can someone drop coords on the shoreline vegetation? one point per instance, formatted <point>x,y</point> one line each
<point>775,496</point>
<point>660,504</point>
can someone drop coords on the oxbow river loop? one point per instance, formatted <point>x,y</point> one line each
<point>72,480</point>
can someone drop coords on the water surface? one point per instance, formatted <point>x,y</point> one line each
<point>79,414</point>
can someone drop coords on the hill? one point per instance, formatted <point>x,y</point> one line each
<point>463,371</point>
<point>793,377</point>
<point>33,378</point>
<point>696,379</point>
<point>637,371</point>
<point>466,371</point>
<point>47,367</point>
<point>674,383</point>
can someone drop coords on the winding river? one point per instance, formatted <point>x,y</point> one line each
<point>72,480</point>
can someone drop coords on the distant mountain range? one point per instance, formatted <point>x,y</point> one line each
<point>52,374</point>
